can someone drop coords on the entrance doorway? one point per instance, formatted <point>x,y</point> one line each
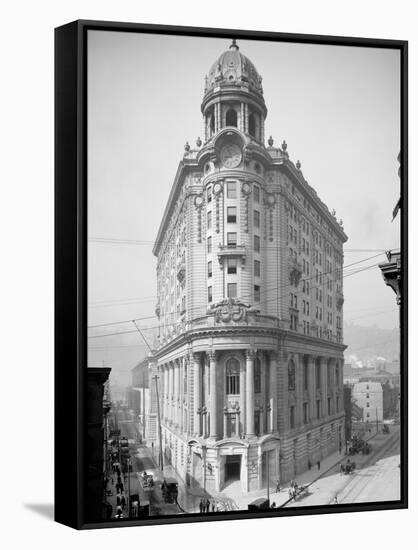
<point>232,468</point>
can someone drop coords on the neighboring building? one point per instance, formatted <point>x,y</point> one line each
<point>96,411</point>
<point>369,396</point>
<point>141,400</point>
<point>250,301</point>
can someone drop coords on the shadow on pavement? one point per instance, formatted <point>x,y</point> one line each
<point>45,510</point>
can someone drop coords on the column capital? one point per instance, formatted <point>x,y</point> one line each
<point>250,353</point>
<point>211,354</point>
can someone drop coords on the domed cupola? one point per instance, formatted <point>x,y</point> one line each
<point>234,68</point>
<point>234,96</point>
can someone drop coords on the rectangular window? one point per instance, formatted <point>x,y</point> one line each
<point>256,268</point>
<point>318,375</point>
<point>256,293</point>
<point>209,245</point>
<point>329,406</point>
<point>209,269</point>
<point>256,243</point>
<point>256,193</point>
<point>292,416</point>
<point>209,220</point>
<point>318,408</point>
<point>231,190</point>
<point>305,375</point>
<point>232,265</point>
<point>232,290</point>
<point>305,413</point>
<point>231,239</point>
<point>256,218</point>
<point>231,214</point>
<point>209,293</point>
<point>209,194</point>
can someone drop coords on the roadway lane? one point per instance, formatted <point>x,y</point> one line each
<point>380,481</point>
<point>377,480</point>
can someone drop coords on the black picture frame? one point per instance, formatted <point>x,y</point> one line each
<point>71,266</point>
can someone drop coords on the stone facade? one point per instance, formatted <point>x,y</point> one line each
<point>250,301</point>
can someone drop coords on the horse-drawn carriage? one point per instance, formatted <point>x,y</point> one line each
<point>358,445</point>
<point>146,481</point>
<point>348,468</point>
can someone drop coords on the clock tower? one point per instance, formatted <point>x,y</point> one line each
<point>249,278</point>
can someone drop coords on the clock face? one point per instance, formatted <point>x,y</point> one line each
<point>199,201</point>
<point>231,155</point>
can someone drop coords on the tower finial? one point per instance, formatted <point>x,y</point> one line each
<point>234,45</point>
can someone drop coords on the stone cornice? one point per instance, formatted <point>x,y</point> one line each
<point>284,336</point>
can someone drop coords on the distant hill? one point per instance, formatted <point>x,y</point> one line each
<point>367,343</point>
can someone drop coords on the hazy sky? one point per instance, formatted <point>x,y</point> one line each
<point>338,108</point>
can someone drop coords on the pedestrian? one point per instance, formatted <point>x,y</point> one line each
<point>207,506</point>
<point>201,505</point>
<point>123,501</point>
<point>290,492</point>
<point>319,465</point>
<point>278,486</point>
<point>335,500</point>
<point>213,505</point>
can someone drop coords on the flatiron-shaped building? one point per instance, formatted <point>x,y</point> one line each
<point>250,301</point>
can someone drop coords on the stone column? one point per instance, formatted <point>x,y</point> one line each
<point>170,393</point>
<point>246,118</point>
<point>273,391</point>
<point>312,387</point>
<point>242,401</point>
<point>250,355</point>
<point>175,393</point>
<point>241,122</point>
<point>197,395</point>
<point>225,434</point>
<point>261,413</point>
<point>164,392</point>
<point>213,428</point>
<point>324,385</point>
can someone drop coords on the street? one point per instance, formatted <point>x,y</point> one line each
<point>376,478</point>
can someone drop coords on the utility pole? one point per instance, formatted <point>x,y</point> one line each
<point>268,477</point>
<point>161,460</point>
<point>377,422</point>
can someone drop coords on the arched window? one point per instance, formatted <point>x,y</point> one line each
<point>251,124</point>
<point>231,118</point>
<point>232,377</point>
<point>257,375</point>
<point>291,371</point>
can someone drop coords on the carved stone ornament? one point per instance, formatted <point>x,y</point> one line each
<point>217,188</point>
<point>231,309</point>
<point>198,201</point>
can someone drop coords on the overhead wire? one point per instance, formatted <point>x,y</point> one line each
<point>264,291</point>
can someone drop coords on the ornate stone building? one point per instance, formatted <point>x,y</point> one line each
<point>250,298</point>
